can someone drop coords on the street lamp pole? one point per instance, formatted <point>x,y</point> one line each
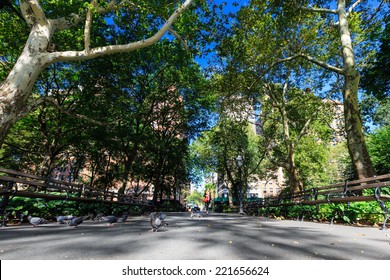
<point>240,163</point>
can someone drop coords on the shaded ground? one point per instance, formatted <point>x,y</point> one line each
<point>213,237</point>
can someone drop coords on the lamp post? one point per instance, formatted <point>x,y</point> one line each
<point>240,163</point>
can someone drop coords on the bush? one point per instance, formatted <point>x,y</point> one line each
<point>356,212</point>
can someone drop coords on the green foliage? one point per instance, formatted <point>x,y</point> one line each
<point>195,197</point>
<point>379,146</point>
<point>354,213</point>
<point>375,77</point>
<point>141,140</point>
<point>375,102</point>
<point>51,209</point>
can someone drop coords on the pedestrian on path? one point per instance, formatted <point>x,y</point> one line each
<point>206,200</point>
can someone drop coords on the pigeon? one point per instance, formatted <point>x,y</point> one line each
<point>124,217</point>
<point>35,221</point>
<point>196,215</point>
<point>98,217</point>
<point>157,221</point>
<point>89,217</point>
<point>62,219</point>
<point>111,219</point>
<point>162,216</point>
<point>76,221</point>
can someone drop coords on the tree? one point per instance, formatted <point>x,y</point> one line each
<point>293,119</point>
<point>38,142</point>
<point>312,41</point>
<point>40,51</point>
<point>148,119</point>
<point>216,150</point>
<point>349,72</point>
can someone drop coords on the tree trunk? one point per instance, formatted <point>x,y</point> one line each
<point>15,91</point>
<point>292,171</point>
<point>357,148</point>
<point>353,125</point>
<point>125,176</point>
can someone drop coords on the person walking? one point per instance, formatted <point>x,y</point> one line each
<point>206,200</point>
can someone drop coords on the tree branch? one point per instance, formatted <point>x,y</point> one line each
<point>306,126</point>
<point>308,122</point>
<point>377,10</point>
<point>319,10</point>
<point>315,10</point>
<point>353,6</point>
<point>74,19</point>
<point>32,12</point>
<point>99,51</point>
<point>291,58</point>
<point>87,29</point>
<point>322,64</point>
<point>350,10</point>
<point>110,7</point>
<point>38,12</point>
<point>53,101</point>
<point>174,33</point>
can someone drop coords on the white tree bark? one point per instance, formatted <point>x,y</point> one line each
<point>15,91</point>
<point>353,125</point>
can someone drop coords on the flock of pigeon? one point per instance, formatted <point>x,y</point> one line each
<point>156,220</point>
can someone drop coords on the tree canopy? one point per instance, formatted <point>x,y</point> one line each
<point>148,95</point>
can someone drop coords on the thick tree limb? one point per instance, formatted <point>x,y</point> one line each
<point>99,51</point>
<point>74,19</point>
<point>315,10</point>
<point>67,22</point>
<point>291,58</point>
<point>87,29</point>
<point>318,10</point>
<point>322,64</point>
<point>28,13</point>
<point>40,16</point>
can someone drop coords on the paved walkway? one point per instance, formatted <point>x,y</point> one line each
<point>213,237</point>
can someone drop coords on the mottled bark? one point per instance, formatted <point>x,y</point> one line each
<point>295,180</point>
<point>353,125</point>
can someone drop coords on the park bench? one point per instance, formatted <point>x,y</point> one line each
<point>19,184</point>
<point>375,188</point>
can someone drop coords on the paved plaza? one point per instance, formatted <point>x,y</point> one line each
<point>212,237</point>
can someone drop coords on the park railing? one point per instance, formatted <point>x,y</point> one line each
<point>375,188</point>
<point>19,184</point>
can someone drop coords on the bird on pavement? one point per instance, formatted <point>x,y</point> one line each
<point>157,221</point>
<point>196,214</point>
<point>35,221</point>
<point>76,221</point>
<point>62,219</point>
<point>124,217</point>
<point>98,217</point>
<point>111,219</point>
